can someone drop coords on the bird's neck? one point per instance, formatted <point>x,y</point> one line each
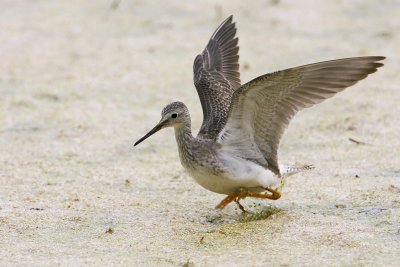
<point>184,138</point>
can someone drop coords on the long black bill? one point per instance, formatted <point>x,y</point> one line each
<point>153,131</point>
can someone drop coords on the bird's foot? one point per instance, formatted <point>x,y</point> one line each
<point>240,205</point>
<point>243,193</point>
<point>240,194</point>
<point>275,193</point>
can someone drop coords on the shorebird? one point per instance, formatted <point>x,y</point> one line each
<point>236,150</point>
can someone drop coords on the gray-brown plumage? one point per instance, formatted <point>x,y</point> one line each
<point>236,150</point>
<point>216,77</point>
<point>262,108</point>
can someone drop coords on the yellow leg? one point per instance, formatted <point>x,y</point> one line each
<point>244,193</point>
<point>227,200</point>
<point>275,193</point>
<point>240,205</point>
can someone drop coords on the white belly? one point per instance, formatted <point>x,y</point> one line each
<point>238,173</point>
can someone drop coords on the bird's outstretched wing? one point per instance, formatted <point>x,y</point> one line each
<point>216,77</point>
<point>262,108</point>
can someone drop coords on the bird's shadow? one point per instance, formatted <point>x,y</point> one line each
<point>254,212</point>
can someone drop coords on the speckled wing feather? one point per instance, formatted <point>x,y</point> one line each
<point>262,108</point>
<point>216,77</point>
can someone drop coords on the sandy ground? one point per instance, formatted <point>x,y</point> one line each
<point>80,81</point>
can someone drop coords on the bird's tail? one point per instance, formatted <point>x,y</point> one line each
<point>287,171</point>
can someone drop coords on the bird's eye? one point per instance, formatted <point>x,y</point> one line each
<point>174,115</point>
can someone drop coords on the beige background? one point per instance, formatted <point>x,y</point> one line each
<point>80,81</point>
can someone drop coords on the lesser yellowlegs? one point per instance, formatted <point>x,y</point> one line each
<point>235,151</point>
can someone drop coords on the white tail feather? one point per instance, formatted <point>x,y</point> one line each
<point>287,171</point>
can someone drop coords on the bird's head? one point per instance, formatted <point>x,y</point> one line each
<point>174,115</point>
